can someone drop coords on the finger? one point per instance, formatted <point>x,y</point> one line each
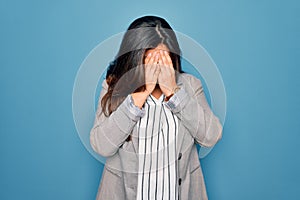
<point>160,62</point>
<point>164,59</point>
<point>152,64</point>
<point>157,68</point>
<point>148,57</point>
<point>154,67</point>
<point>151,61</point>
<point>156,57</point>
<point>169,60</point>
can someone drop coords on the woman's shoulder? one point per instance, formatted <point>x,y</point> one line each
<point>190,78</point>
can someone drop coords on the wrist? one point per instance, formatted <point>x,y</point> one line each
<point>168,97</point>
<point>139,98</point>
<point>145,93</point>
<point>169,93</point>
<point>172,92</point>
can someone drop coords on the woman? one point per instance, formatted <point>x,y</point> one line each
<point>150,117</point>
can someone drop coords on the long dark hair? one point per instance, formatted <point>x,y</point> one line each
<point>144,33</point>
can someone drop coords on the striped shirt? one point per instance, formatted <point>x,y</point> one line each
<point>157,130</point>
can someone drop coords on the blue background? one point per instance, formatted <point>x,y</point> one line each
<point>255,44</point>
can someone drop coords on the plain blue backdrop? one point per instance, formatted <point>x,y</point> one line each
<point>255,44</point>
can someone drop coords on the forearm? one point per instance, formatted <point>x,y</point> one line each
<point>109,133</point>
<point>196,115</point>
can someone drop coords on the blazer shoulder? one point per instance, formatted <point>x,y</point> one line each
<point>193,80</point>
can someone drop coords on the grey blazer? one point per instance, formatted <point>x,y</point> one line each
<point>197,124</point>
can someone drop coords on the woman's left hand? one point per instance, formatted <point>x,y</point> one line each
<point>166,77</point>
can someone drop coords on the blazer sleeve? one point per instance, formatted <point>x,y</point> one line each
<point>195,113</point>
<point>109,133</point>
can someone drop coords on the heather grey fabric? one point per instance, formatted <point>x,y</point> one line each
<point>197,124</point>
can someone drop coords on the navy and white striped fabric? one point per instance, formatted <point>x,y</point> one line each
<point>158,130</point>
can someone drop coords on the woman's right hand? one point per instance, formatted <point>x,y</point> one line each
<point>152,70</point>
<point>151,75</point>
